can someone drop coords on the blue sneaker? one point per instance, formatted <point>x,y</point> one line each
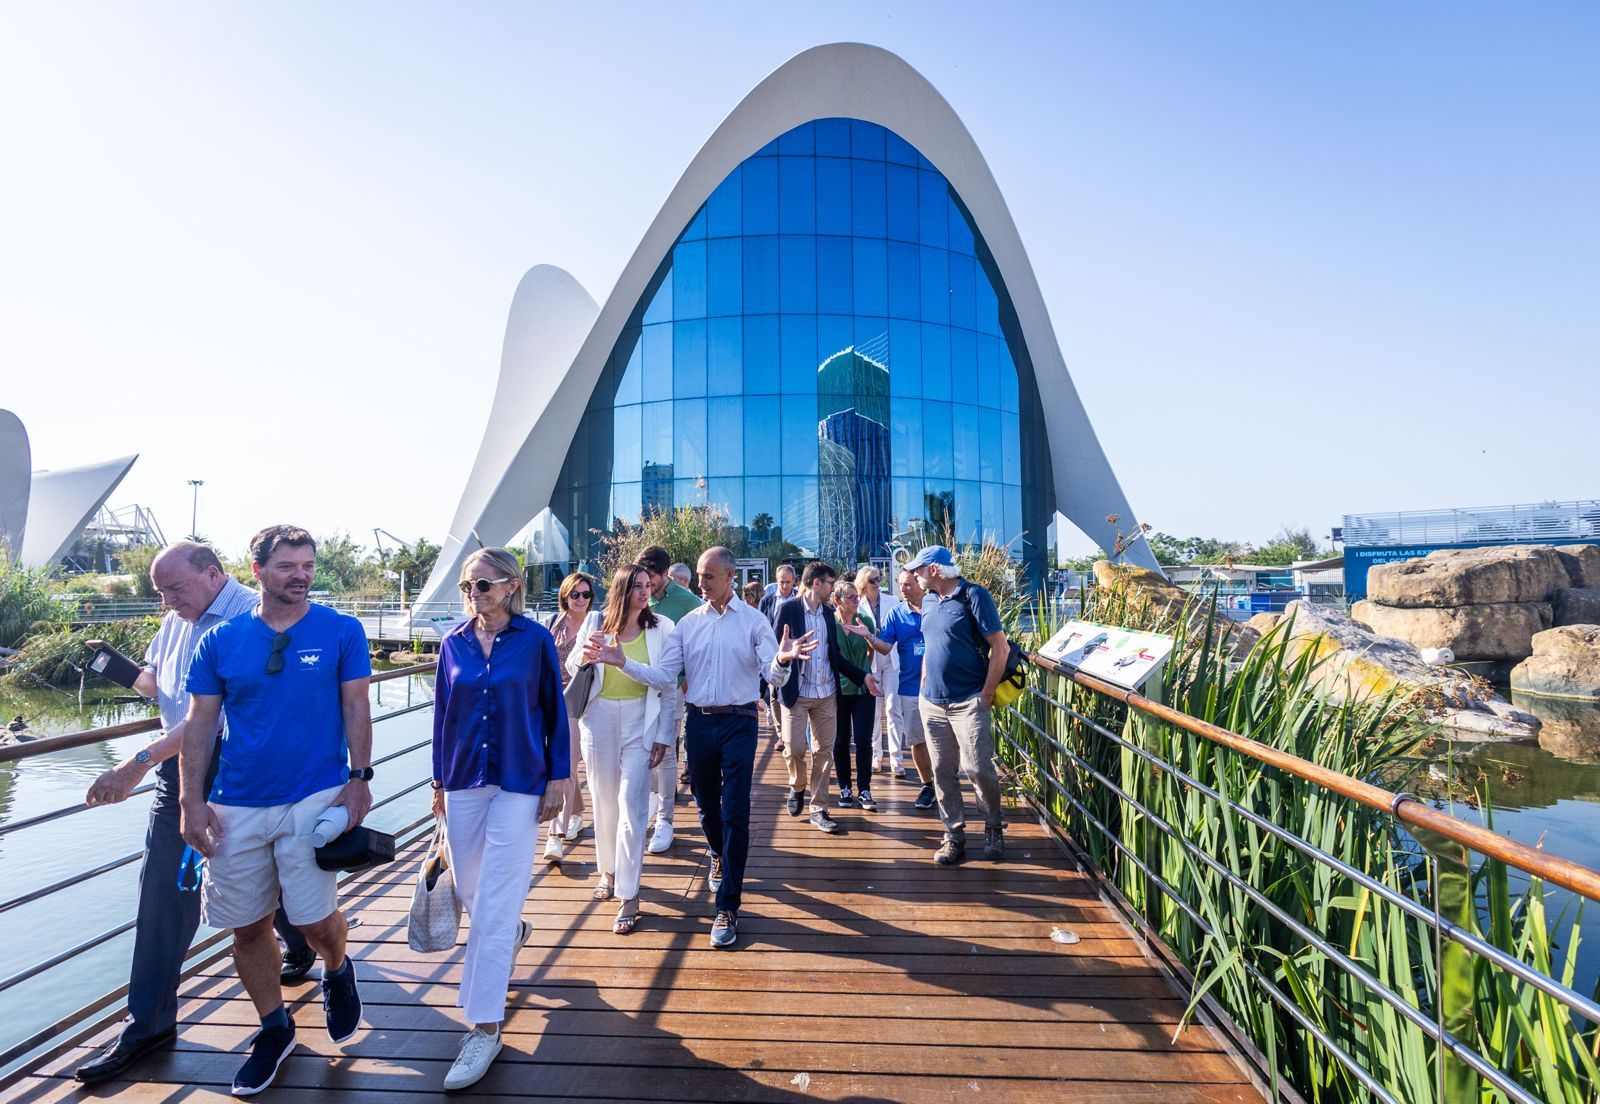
<point>341,1002</point>
<point>267,1052</point>
<point>725,930</point>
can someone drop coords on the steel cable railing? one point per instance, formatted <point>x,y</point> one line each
<point>1402,808</point>
<point>45,747</point>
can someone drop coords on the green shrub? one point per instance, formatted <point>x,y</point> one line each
<point>24,602</point>
<point>56,653</point>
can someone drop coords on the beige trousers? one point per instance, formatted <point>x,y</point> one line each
<point>813,776</point>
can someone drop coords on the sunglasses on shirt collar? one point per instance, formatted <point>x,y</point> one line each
<point>275,657</point>
<point>483,585</point>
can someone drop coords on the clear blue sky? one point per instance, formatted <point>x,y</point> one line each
<point>1302,259</point>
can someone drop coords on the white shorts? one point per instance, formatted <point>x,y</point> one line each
<point>266,851</point>
<point>908,720</point>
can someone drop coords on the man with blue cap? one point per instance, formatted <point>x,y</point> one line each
<point>964,658</point>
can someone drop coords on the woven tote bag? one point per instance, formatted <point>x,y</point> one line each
<point>435,910</point>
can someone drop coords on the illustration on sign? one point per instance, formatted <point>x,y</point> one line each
<point>1122,656</point>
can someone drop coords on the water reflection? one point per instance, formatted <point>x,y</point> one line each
<point>1570,729</point>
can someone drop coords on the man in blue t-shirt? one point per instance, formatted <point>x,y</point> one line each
<point>293,677</point>
<point>901,633</point>
<point>964,658</point>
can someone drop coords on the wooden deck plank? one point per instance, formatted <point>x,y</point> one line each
<point>864,972</point>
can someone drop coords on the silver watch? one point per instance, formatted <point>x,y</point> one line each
<point>143,758</point>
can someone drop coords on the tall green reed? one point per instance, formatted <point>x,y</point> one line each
<point>1270,694</point>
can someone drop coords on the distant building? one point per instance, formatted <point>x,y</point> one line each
<point>1411,534</point>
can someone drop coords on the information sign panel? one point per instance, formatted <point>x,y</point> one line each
<point>1123,657</point>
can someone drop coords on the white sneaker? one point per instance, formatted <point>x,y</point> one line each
<point>661,838</point>
<point>478,1051</point>
<point>553,851</point>
<point>574,828</point>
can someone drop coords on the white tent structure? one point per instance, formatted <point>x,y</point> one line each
<point>61,503</point>
<point>16,478</point>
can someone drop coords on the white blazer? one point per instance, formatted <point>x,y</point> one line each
<point>657,713</point>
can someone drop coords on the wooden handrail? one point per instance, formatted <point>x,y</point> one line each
<point>1403,807</point>
<point>149,724</point>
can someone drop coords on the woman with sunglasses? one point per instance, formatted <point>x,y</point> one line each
<point>500,759</point>
<point>625,732</point>
<point>575,604</point>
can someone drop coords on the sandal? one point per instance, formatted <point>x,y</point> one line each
<point>626,922</point>
<point>604,891</point>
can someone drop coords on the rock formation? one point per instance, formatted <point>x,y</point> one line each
<point>1565,664</point>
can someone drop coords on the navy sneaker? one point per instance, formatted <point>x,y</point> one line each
<point>846,798</point>
<point>341,1002</point>
<point>924,796</point>
<point>267,1052</point>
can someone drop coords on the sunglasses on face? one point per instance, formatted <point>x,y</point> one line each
<point>275,658</point>
<point>483,585</point>
<point>580,596</point>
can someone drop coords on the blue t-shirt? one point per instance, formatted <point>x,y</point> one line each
<point>902,627</point>
<point>955,666</point>
<point>285,738</point>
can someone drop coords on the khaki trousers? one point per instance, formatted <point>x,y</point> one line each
<point>823,715</point>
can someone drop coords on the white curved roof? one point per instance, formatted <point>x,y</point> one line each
<point>16,476</point>
<point>62,502</point>
<point>856,81</point>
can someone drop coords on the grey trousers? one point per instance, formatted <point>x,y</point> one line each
<point>167,920</point>
<point>960,737</point>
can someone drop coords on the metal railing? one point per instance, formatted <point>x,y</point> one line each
<point>1426,1013</point>
<point>94,1015</point>
<point>1537,521</point>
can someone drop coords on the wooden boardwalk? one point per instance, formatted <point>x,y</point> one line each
<point>863,972</point>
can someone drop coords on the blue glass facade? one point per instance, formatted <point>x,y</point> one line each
<point>828,354</point>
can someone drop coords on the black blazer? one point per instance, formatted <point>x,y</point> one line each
<point>792,613</point>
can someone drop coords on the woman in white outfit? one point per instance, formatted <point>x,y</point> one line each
<point>625,731</point>
<point>574,603</point>
<point>500,758</point>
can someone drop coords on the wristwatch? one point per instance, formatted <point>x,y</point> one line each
<point>143,758</point>
<point>363,773</point>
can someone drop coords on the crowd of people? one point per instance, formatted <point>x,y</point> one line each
<point>264,699</point>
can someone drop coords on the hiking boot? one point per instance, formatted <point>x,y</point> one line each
<point>994,844</point>
<point>846,798</point>
<point>797,799</point>
<point>478,1051</point>
<point>952,852</point>
<point>822,822</point>
<point>924,796</point>
<point>714,879</point>
<point>267,1052</point>
<point>864,799</point>
<point>725,930</point>
<point>341,1001</point>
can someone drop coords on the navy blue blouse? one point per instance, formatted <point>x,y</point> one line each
<point>501,720</point>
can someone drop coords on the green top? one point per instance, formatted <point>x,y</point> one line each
<point>857,651</point>
<point>619,686</point>
<point>676,602</point>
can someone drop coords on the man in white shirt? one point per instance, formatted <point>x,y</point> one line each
<point>724,648</point>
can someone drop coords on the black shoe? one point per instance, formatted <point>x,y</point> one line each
<point>296,965</point>
<point>822,822</point>
<point>846,797</point>
<point>797,799</point>
<point>994,844</point>
<point>951,853</point>
<point>924,796</point>
<point>271,1046</point>
<point>341,1002</point>
<point>120,1054</point>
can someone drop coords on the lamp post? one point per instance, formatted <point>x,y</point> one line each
<point>194,513</point>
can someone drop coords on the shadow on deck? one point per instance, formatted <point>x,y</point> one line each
<point>863,973</point>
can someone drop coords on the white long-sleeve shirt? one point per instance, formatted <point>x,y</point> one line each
<point>723,656</point>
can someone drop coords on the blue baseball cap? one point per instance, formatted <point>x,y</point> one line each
<point>933,554</point>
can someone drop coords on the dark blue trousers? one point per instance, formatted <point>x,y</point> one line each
<point>722,757</point>
<point>167,920</point>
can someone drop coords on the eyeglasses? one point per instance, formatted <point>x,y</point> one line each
<point>483,585</point>
<point>275,658</point>
<point>580,596</point>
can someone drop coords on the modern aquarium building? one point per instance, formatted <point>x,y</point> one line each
<point>831,333</point>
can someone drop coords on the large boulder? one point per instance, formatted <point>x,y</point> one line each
<point>1565,664</point>
<point>1498,631</point>
<point>1356,663</point>
<point>1569,729</point>
<point>1470,577</point>
<point>1582,562</point>
<point>1577,606</point>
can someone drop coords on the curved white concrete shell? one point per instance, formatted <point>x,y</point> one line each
<point>62,502</point>
<point>16,475</point>
<point>848,81</point>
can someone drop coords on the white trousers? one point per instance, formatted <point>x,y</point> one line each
<point>618,761</point>
<point>883,723</point>
<point>571,793</point>
<point>664,784</point>
<point>492,835</point>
